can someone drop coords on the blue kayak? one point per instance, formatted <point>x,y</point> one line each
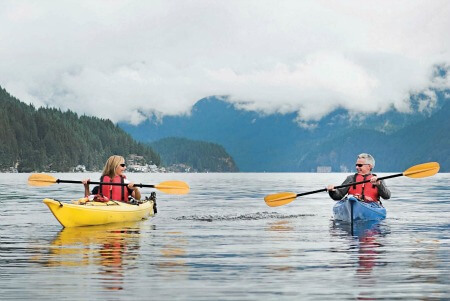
<point>344,208</point>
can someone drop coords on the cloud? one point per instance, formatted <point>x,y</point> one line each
<point>127,60</point>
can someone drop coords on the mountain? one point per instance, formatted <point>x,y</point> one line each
<point>423,141</point>
<point>277,143</point>
<point>243,134</point>
<point>47,139</point>
<point>426,140</point>
<point>198,155</point>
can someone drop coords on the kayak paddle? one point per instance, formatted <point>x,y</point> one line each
<point>170,187</point>
<point>418,171</point>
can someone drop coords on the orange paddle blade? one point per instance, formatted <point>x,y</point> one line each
<point>422,170</point>
<point>40,179</point>
<point>173,187</point>
<point>279,199</point>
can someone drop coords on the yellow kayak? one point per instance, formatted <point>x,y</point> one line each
<point>89,213</point>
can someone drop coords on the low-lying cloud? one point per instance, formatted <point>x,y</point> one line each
<point>128,60</point>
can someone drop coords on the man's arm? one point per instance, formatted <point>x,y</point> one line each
<point>383,191</point>
<point>338,194</point>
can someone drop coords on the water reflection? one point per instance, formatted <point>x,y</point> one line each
<point>174,253</point>
<point>208,247</point>
<point>110,248</point>
<point>365,238</point>
<point>279,228</point>
<point>424,256</point>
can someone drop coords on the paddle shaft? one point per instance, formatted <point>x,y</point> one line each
<point>348,185</point>
<point>105,183</point>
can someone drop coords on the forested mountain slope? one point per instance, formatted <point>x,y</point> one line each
<point>47,139</point>
<point>201,156</point>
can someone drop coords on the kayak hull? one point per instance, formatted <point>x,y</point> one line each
<point>81,213</point>
<point>343,210</point>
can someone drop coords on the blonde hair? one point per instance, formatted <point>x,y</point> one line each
<point>111,165</point>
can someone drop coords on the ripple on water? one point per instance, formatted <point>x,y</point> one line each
<point>250,216</point>
<point>217,243</point>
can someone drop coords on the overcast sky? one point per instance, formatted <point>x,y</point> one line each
<point>127,60</point>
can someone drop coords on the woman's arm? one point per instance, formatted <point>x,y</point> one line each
<point>86,187</point>
<point>135,193</point>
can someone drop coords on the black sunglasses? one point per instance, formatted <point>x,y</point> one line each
<point>361,165</point>
<point>123,164</point>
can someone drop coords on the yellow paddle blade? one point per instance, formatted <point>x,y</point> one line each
<point>422,170</point>
<point>173,187</point>
<point>40,179</point>
<point>279,199</point>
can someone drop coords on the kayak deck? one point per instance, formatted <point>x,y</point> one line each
<point>350,209</point>
<point>89,213</point>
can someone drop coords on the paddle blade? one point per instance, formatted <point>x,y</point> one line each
<point>173,187</point>
<point>422,170</point>
<point>40,179</point>
<point>279,199</point>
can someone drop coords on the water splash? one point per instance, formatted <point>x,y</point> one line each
<point>249,216</point>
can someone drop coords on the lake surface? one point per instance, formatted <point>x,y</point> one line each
<point>222,242</point>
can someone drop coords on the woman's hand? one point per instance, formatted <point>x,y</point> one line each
<point>131,186</point>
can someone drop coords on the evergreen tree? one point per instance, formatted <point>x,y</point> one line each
<point>48,139</point>
<point>201,156</point>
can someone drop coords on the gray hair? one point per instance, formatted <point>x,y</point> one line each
<point>369,159</point>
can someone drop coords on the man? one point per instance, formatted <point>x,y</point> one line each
<point>367,192</point>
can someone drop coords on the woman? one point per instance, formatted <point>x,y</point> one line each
<point>113,172</point>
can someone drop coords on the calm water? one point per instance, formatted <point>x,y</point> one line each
<point>221,242</point>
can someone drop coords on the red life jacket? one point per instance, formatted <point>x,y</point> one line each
<point>365,191</point>
<point>114,192</point>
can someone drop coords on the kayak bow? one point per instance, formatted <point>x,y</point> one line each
<point>350,209</point>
